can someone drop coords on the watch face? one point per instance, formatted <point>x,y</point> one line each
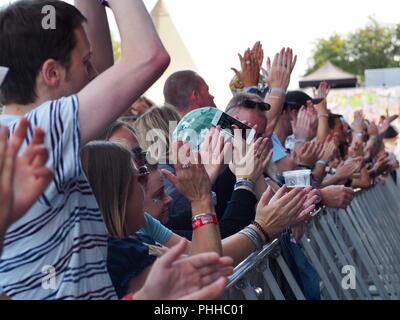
<point>195,126</point>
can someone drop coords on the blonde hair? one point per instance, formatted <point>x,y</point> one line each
<point>108,167</point>
<point>156,123</point>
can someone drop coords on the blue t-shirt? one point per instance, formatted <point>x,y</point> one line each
<point>278,151</point>
<point>154,231</point>
<point>126,259</point>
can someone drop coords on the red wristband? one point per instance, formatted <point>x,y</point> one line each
<point>202,220</point>
<point>129,296</point>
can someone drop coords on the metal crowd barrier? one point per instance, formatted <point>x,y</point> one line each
<point>356,253</point>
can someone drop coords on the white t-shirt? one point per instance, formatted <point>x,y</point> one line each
<point>58,250</point>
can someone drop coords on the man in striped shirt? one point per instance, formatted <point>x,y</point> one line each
<point>58,249</point>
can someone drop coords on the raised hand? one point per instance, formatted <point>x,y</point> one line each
<point>191,178</point>
<point>308,207</point>
<point>329,149</point>
<point>304,129</point>
<point>7,169</point>
<point>252,164</point>
<point>250,66</point>
<point>338,197</point>
<point>278,212</point>
<point>356,149</point>
<point>358,124</point>
<point>323,90</point>
<point>200,277</point>
<point>31,175</point>
<point>322,93</point>
<point>382,164</point>
<point>373,129</point>
<point>308,154</point>
<point>348,168</point>
<point>279,72</point>
<point>386,124</point>
<point>213,151</point>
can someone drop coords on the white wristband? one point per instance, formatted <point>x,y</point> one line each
<point>278,90</point>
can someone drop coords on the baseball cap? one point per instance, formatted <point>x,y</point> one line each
<point>297,99</point>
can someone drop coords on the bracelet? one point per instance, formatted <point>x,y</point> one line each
<point>260,228</point>
<point>278,90</point>
<point>323,115</point>
<point>322,163</point>
<point>203,219</point>
<point>299,141</point>
<point>254,237</point>
<point>245,183</point>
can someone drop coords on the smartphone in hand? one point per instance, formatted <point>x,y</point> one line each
<point>225,121</point>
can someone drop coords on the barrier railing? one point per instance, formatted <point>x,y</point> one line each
<point>356,253</point>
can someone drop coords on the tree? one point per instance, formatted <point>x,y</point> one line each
<point>374,46</point>
<point>116,48</point>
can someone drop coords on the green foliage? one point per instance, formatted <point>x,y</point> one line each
<point>374,46</point>
<point>116,48</point>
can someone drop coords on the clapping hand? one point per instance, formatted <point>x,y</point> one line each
<point>198,277</point>
<point>191,178</point>
<point>31,175</point>
<point>213,151</point>
<point>279,72</point>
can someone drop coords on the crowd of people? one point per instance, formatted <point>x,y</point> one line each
<point>83,191</point>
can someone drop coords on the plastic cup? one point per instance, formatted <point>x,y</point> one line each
<point>297,179</point>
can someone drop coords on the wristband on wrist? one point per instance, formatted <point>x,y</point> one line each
<point>245,183</point>
<point>254,237</point>
<point>203,219</point>
<point>322,163</point>
<point>278,90</point>
<point>299,141</point>
<point>323,115</point>
<point>130,296</point>
<point>261,229</point>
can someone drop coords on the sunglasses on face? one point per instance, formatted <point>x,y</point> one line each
<point>143,176</point>
<point>250,104</point>
<point>140,156</point>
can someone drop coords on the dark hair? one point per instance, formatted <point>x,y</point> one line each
<point>248,101</point>
<point>332,120</point>
<point>179,86</point>
<point>26,45</point>
<point>116,125</point>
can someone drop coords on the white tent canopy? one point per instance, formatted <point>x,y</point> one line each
<point>180,56</point>
<point>335,76</point>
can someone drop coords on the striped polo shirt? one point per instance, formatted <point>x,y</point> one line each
<point>58,250</point>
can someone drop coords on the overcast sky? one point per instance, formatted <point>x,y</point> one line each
<point>214,31</point>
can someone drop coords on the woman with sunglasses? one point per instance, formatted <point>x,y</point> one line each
<point>121,199</point>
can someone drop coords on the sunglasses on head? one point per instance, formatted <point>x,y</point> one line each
<point>250,104</point>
